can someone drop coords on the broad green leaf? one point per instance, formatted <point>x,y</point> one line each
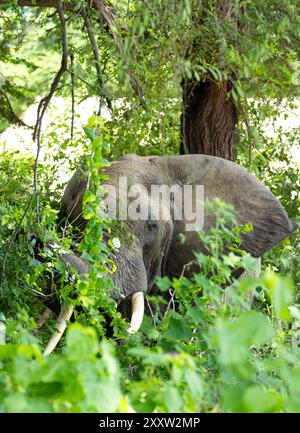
<point>257,399</point>
<point>177,329</point>
<point>81,342</point>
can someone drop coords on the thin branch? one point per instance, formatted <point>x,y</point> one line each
<point>72,96</point>
<point>84,99</point>
<point>94,45</point>
<point>171,301</point>
<point>95,49</point>
<point>248,126</point>
<point>172,293</point>
<point>107,14</point>
<point>43,105</point>
<point>16,120</point>
<point>80,78</point>
<point>151,312</point>
<point>40,294</point>
<point>52,15</point>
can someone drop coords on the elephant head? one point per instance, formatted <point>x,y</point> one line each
<point>151,224</point>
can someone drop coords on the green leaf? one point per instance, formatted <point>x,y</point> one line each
<point>194,382</point>
<point>255,328</point>
<point>177,328</point>
<point>235,338</point>
<point>295,312</point>
<point>164,283</point>
<point>257,399</point>
<point>291,376</point>
<point>90,133</point>
<point>172,399</point>
<point>22,403</point>
<point>81,342</point>
<point>249,263</point>
<point>281,291</point>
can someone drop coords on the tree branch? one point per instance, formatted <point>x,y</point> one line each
<point>94,45</point>
<point>72,95</point>
<point>107,15</point>
<point>37,131</point>
<point>8,112</point>
<point>39,3</point>
<point>46,100</point>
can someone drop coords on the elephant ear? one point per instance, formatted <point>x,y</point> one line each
<point>253,201</point>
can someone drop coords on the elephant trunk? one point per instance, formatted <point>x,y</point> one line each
<point>137,306</point>
<point>137,315</point>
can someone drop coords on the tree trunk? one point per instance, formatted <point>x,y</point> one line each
<point>208,119</point>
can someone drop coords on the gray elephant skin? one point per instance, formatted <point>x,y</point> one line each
<point>157,241</point>
<point>153,245</point>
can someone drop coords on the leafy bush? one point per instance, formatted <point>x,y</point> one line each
<point>203,354</point>
<point>195,352</point>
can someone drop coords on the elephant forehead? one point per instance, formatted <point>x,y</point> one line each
<point>152,199</point>
<point>160,208</point>
<point>137,169</point>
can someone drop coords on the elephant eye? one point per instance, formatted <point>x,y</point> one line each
<point>152,225</point>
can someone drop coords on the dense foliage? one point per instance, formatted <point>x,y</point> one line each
<point>194,352</point>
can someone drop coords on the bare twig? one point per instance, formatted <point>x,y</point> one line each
<point>43,105</point>
<point>80,78</point>
<point>151,312</point>
<point>95,49</point>
<point>72,96</point>
<point>40,294</point>
<point>84,99</point>
<point>185,266</point>
<point>51,29</point>
<point>248,128</point>
<point>52,15</point>
<point>13,115</point>
<point>171,301</point>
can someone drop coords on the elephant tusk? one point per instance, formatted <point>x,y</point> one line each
<point>137,302</point>
<point>61,324</point>
<point>137,315</point>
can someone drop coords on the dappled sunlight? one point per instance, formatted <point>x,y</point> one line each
<point>149,208</point>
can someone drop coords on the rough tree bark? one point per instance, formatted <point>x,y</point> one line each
<point>209,115</point>
<point>208,119</point>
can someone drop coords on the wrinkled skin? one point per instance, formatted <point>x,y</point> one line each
<point>153,247</point>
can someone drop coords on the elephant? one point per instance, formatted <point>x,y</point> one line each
<point>151,243</point>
